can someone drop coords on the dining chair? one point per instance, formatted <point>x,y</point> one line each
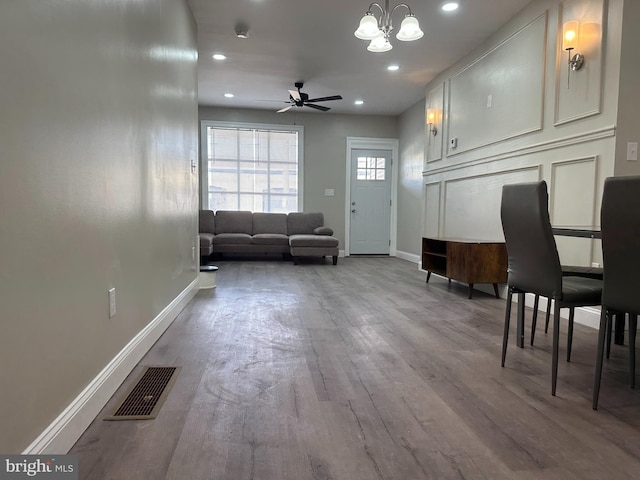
<point>620,224</point>
<point>534,264</point>
<point>571,271</point>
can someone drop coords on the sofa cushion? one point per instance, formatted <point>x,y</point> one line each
<point>270,223</point>
<point>232,239</point>
<point>303,223</point>
<point>313,241</point>
<point>228,221</point>
<point>269,239</point>
<point>206,222</point>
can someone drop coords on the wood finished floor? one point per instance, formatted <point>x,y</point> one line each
<point>363,372</point>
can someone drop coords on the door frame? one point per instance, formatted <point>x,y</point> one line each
<point>357,143</point>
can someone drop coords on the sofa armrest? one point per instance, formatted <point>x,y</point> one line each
<point>323,231</point>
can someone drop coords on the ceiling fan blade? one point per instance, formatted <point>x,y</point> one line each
<point>317,107</point>
<point>285,109</point>
<point>325,99</point>
<point>295,95</point>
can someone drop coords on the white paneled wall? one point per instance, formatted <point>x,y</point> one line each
<point>508,107</point>
<point>502,89</point>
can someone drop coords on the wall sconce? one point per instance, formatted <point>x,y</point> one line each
<point>569,43</point>
<point>432,114</point>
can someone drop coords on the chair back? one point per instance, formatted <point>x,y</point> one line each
<point>620,223</point>
<point>534,264</point>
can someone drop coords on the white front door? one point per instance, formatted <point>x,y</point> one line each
<point>370,203</point>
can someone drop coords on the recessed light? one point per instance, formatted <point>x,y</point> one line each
<point>359,102</point>
<point>219,56</point>
<point>229,95</point>
<point>450,6</point>
<point>393,68</point>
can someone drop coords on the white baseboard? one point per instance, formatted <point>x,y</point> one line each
<point>410,257</point>
<point>65,430</point>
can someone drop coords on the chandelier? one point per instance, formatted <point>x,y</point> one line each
<point>377,30</point>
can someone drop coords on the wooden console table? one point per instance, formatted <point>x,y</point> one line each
<point>466,260</point>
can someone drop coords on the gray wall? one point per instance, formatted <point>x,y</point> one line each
<point>412,150</point>
<point>325,144</point>
<point>98,122</point>
<point>628,127</point>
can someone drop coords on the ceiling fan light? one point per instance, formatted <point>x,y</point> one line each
<point>368,29</point>
<point>380,44</point>
<point>409,29</point>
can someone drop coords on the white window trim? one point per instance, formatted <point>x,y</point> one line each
<point>204,163</point>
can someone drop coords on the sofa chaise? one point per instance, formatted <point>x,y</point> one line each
<point>297,234</point>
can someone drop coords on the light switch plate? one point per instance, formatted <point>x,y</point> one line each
<point>112,302</point>
<point>632,151</point>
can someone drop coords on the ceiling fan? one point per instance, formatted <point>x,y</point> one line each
<point>300,99</point>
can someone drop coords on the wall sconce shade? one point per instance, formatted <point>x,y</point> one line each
<point>432,115</point>
<point>569,43</point>
<point>570,35</point>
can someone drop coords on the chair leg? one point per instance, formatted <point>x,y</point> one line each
<point>534,320</point>
<point>556,341</point>
<point>609,337</point>
<point>572,312</point>
<point>546,320</point>
<point>633,327</point>
<point>507,319</point>
<point>520,327</point>
<point>605,319</point>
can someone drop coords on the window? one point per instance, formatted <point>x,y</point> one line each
<point>252,167</point>
<point>371,168</point>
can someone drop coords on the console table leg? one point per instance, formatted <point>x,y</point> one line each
<point>470,289</point>
<point>495,290</point>
<point>428,276</point>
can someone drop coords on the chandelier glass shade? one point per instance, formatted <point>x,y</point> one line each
<point>377,30</point>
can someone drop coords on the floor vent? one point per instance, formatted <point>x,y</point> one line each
<point>146,396</point>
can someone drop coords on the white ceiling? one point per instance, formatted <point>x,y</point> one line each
<point>313,41</point>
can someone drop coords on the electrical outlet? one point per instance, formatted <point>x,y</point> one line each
<point>112,302</point>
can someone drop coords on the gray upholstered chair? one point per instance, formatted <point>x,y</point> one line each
<point>620,224</point>
<point>534,264</point>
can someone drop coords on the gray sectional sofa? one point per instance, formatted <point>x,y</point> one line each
<point>295,234</point>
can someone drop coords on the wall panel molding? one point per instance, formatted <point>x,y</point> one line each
<point>431,209</point>
<point>503,89</point>
<point>471,204</point>
<point>579,95</point>
<point>579,138</point>
<point>435,100</point>
<point>574,204</point>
